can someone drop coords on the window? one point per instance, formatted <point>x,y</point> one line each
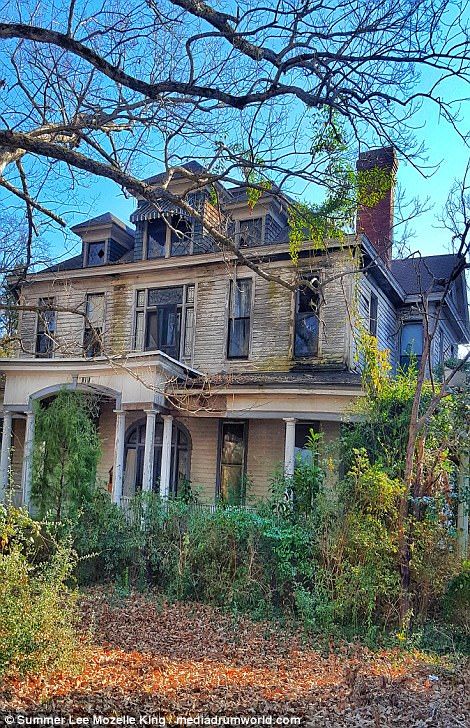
<point>156,238</point>
<point>306,323</point>
<point>250,232</point>
<point>302,437</point>
<point>232,450</point>
<point>238,342</point>
<point>94,322</point>
<point>373,314</point>
<point>411,345</point>
<point>97,253</point>
<point>164,321</point>
<point>440,350</point>
<point>181,235</point>
<point>46,327</point>
<point>134,457</point>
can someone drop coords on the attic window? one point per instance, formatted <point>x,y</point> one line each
<point>156,238</point>
<point>97,253</point>
<point>251,232</point>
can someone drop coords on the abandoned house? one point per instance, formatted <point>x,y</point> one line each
<point>206,371</point>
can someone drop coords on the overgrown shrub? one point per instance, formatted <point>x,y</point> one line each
<point>107,543</point>
<point>37,609</point>
<point>66,452</point>
<point>457,599</point>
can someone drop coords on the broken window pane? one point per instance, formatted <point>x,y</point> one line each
<point>251,232</point>
<point>306,323</point>
<point>181,235</point>
<point>156,238</point>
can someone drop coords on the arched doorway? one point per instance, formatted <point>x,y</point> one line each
<point>134,457</point>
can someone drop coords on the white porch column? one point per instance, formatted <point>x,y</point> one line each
<point>27,472</point>
<point>5,452</point>
<point>166,456</point>
<point>289,451</point>
<point>118,467</point>
<point>149,450</point>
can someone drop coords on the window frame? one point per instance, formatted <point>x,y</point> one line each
<point>146,240</point>
<point>139,447</point>
<point>105,257</point>
<point>49,354</point>
<point>295,305</point>
<point>168,237</point>
<point>238,223</point>
<point>143,310</point>
<point>402,357</point>
<point>222,423</point>
<point>373,319</point>
<point>229,318</point>
<point>87,328</point>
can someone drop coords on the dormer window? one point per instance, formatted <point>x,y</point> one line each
<point>181,235</point>
<point>156,238</point>
<point>96,253</point>
<point>250,232</point>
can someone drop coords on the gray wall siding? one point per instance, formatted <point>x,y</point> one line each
<point>272,319</point>
<point>388,326</point>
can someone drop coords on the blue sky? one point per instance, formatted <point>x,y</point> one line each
<point>446,152</point>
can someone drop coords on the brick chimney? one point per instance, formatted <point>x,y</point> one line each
<point>376,222</point>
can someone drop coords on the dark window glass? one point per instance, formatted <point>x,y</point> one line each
<point>163,321</point>
<point>411,344</point>
<point>239,324</point>
<point>232,462</point>
<point>251,232</point>
<point>156,238</point>
<point>373,311</point>
<point>134,458</point>
<point>306,323</point>
<point>46,328</point>
<point>181,235</point>
<point>165,296</point>
<point>302,435</point>
<point>97,253</point>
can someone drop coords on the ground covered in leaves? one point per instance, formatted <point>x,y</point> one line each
<point>147,658</point>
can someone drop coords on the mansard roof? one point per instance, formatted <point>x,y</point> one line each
<point>193,167</point>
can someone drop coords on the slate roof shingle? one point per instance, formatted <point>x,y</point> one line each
<point>104,219</point>
<point>424,274</point>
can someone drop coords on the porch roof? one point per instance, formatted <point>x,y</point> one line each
<point>301,377</point>
<point>134,378</point>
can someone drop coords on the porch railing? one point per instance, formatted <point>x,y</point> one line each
<point>131,507</point>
